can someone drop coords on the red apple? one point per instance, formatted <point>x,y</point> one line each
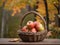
<point>36,23</point>
<point>24,29</point>
<point>39,27</point>
<point>33,30</point>
<point>30,24</point>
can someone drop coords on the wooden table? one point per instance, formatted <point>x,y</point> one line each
<point>6,41</point>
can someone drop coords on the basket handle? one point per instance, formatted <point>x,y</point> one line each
<point>34,13</point>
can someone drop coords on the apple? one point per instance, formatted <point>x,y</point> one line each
<point>30,24</point>
<point>39,27</point>
<point>36,23</point>
<point>33,30</point>
<point>24,29</point>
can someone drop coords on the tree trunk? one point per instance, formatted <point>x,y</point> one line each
<point>47,14</point>
<point>59,6</point>
<point>3,20</point>
<point>3,24</point>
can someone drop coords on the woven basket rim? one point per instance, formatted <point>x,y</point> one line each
<point>31,33</point>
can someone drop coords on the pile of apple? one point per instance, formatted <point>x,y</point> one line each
<point>33,27</point>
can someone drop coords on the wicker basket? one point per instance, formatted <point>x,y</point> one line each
<point>32,37</point>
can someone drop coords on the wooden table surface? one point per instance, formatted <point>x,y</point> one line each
<point>6,41</point>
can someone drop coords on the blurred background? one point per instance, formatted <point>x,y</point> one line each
<point>11,12</point>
